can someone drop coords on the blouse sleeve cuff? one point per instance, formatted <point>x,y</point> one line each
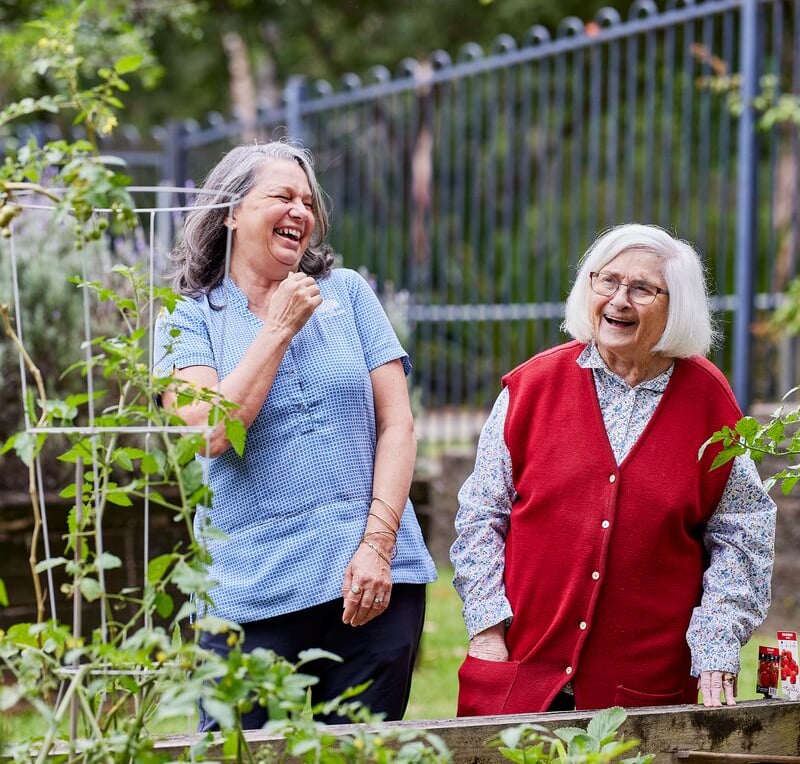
<point>490,613</point>
<point>715,654</point>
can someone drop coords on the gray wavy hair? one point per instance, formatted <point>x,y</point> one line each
<point>690,329</point>
<point>198,261</point>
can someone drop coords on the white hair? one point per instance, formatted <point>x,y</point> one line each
<point>690,329</point>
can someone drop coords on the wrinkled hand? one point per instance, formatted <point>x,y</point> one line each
<point>490,644</point>
<point>366,588</point>
<point>718,686</point>
<point>294,301</point>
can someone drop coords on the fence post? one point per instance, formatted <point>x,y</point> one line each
<point>746,205</point>
<point>295,86</point>
<point>175,156</point>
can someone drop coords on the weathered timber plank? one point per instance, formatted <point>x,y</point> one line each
<point>708,757</point>
<point>760,727</point>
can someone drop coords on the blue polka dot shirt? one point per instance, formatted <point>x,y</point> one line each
<point>294,506</point>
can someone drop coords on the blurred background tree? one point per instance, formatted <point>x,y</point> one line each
<point>222,55</point>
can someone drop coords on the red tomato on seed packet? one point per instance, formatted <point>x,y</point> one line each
<point>769,659</point>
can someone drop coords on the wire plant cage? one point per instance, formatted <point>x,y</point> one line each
<point>95,438</point>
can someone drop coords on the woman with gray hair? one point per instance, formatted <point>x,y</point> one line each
<point>600,561</point>
<point>322,548</point>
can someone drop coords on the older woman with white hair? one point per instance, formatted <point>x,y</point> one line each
<point>601,561</point>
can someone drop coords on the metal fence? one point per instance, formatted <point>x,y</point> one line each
<point>467,186</point>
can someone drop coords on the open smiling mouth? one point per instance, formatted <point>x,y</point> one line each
<point>288,233</point>
<point>618,322</point>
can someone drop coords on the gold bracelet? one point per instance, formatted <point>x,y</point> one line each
<point>389,507</point>
<point>378,517</point>
<point>377,551</point>
<point>392,536</point>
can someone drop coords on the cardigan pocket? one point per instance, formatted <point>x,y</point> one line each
<point>483,686</point>
<point>628,698</point>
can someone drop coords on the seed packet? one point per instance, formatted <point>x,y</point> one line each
<point>769,659</point>
<point>790,683</point>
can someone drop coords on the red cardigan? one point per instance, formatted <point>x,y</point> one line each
<point>603,563</point>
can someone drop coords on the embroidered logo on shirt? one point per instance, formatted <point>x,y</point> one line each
<point>329,308</point>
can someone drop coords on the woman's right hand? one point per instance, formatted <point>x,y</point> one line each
<point>490,644</point>
<point>294,301</point>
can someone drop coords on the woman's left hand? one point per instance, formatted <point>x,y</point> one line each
<point>366,588</point>
<point>717,686</point>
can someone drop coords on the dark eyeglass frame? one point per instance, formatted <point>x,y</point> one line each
<point>635,297</point>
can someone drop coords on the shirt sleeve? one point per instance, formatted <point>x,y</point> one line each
<point>181,339</point>
<point>740,539</point>
<point>378,338</point>
<point>482,521</point>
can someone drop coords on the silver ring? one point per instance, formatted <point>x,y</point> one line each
<point>356,589</point>
<point>378,600</point>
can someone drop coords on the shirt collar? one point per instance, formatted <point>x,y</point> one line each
<point>228,292</point>
<point>590,358</point>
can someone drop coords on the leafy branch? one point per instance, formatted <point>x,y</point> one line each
<point>773,105</point>
<point>778,437</point>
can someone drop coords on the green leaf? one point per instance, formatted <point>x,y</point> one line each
<point>123,459</point>
<point>10,696</point>
<point>186,448</point>
<point>776,431</point>
<point>164,604</point>
<point>788,484</point>
<point>314,654</point>
<point>25,446</point>
<point>108,561</point>
<point>9,444</point>
<point>214,625</point>
<point>68,492</point>
<point>606,722</point>
<point>724,456</point>
<point>22,634</point>
<point>747,427</point>
<point>157,567</point>
<point>221,711</point>
<point>190,580</point>
<point>90,589</point>
<point>3,594</point>
<point>192,477</point>
<point>120,498</point>
<point>127,64</point>
<point>53,562</point>
<point>236,433</point>
<point>154,463</point>
<point>568,733</point>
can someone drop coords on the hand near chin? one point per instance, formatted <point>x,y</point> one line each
<point>295,299</point>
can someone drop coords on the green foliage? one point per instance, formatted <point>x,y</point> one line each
<point>597,744</point>
<point>184,43</point>
<point>774,105</point>
<point>779,437</point>
<point>78,51</point>
<point>73,177</point>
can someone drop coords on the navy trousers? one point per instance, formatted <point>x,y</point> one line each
<point>384,651</point>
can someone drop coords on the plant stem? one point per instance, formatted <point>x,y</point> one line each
<point>33,490</point>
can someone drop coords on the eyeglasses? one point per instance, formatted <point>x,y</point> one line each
<point>607,285</point>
